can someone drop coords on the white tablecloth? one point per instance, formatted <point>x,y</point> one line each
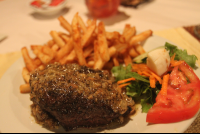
<point>24,27</point>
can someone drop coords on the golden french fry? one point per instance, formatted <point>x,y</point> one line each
<point>82,24</point>
<point>133,52</point>
<point>112,35</point>
<point>25,88</point>
<point>27,60</point>
<point>59,41</point>
<point>139,49</point>
<point>98,62</point>
<point>50,43</point>
<point>44,58</point>
<point>89,21</point>
<point>77,41</point>
<point>55,47</point>
<point>65,37</point>
<point>126,28</point>
<point>112,51</point>
<point>26,74</point>
<point>69,58</point>
<point>65,24</point>
<point>127,59</point>
<point>140,37</point>
<point>130,33</point>
<point>88,34</point>
<point>65,50</point>
<point>115,61</point>
<point>37,61</point>
<point>87,51</point>
<point>48,51</point>
<point>90,63</point>
<point>103,49</point>
<point>41,67</point>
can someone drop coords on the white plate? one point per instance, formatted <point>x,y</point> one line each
<point>15,114</point>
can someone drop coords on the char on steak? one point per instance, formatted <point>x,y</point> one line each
<point>77,96</point>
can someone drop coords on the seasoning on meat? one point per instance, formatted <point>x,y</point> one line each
<point>78,96</point>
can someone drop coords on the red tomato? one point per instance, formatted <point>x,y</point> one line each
<point>182,100</point>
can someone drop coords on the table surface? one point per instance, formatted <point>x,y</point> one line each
<point>24,27</point>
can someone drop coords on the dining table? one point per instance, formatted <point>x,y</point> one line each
<point>175,20</point>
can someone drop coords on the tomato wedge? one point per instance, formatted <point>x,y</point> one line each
<point>182,100</point>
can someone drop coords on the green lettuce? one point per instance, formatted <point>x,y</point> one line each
<point>181,54</point>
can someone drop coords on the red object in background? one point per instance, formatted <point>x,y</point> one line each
<point>55,2</point>
<point>36,3</point>
<point>102,8</point>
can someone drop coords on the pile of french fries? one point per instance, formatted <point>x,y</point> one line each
<point>86,44</point>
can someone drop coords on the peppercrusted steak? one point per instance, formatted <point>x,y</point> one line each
<point>77,96</point>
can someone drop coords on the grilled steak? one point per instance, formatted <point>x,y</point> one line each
<point>78,96</point>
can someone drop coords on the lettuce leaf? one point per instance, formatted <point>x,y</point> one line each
<point>181,54</point>
<point>140,89</point>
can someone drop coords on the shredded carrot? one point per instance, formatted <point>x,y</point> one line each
<point>123,85</point>
<point>158,78</point>
<point>152,81</point>
<point>175,62</point>
<point>146,73</point>
<point>163,90</point>
<point>125,80</point>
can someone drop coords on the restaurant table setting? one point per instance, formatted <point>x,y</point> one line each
<point>176,21</point>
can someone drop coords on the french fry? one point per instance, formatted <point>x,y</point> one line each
<point>98,62</point>
<point>126,28</point>
<point>50,43</point>
<point>140,37</point>
<point>90,63</point>
<point>27,59</point>
<point>44,58</point>
<point>57,38</point>
<point>139,49</point>
<point>112,51</point>
<point>127,59</point>
<point>103,49</point>
<point>25,74</point>
<point>48,51</point>
<point>69,58</point>
<point>88,50</point>
<point>65,24</point>
<point>88,34</point>
<point>77,41</point>
<point>115,61</point>
<point>133,52</point>
<point>65,50</point>
<point>25,88</point>
<point>55,47</point>
<point>82,24</point>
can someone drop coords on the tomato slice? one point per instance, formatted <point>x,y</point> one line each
<point>182,99</point>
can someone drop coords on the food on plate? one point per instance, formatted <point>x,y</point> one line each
<point>171,97</point>
<point>179,99</point>
<point>77,96</point>
<point>158,61</point>
<point>86,44</point>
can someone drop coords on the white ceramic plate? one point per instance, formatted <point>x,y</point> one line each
<point>15,114</point>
